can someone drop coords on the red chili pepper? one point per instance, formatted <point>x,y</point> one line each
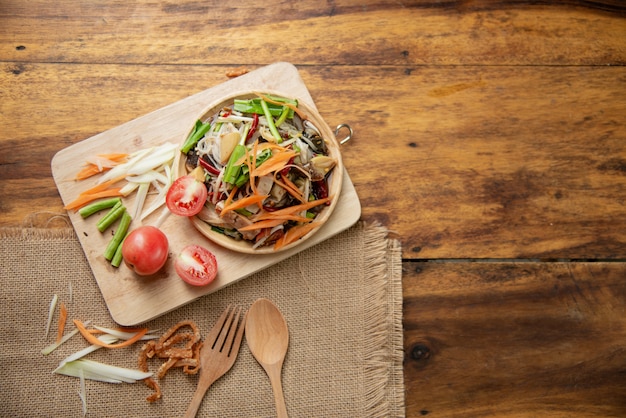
<point>208,167</point>
<point>285,170</point>
<point>320,189</point>
<point>255,124</point>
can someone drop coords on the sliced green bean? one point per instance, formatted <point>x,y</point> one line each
<point>119,235</point>
<point>117,257</point>
<point>111,216</point>
<point>97,206</point>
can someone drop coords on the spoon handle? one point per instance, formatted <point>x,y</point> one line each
<point>277,387</point>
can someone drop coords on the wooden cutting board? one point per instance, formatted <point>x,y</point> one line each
<point>131,299</point>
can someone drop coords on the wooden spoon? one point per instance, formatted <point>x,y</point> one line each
<point>268,338</point>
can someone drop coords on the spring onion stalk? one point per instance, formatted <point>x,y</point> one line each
<point>254,105</point>
<point>124,335</point>
<point>95,207</point>
<point>110,337</point>
<point>163,154</point>
<point>232,170</point>
<point>142,161</point>
<point>122,169</point>
<point>157,201</point>
<point>112,215</point>
<point>129,188</point>
<point>105,338</point>
<point>101,372</point>
<point>165,213</point>
<point>148,177</point>
<point>199,131</point>
<point>270,122</point>
<point>82,393</point>
<point>283,116</point>
<point>140,199</point>
<point>119,235</point>
<point>53,305</point>
<point>49,349</point>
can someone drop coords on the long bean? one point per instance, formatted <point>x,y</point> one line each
<point>119,235</point>
<point>116,261</point>
<point>97,206</point>
<point>111,216</point>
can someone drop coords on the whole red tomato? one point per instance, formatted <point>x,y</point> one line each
<point>145,250</point>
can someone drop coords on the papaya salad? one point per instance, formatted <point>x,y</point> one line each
<point>266,169</point>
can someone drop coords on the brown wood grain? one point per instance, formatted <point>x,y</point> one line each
<point>478,162</point>
<point>515,339</point>
<point>310,33</point>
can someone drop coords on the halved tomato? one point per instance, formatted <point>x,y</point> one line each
<point>196,265</point>
<point>186,196</point>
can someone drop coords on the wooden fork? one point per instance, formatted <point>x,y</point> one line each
<point>218,353</point>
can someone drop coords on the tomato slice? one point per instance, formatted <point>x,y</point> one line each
<point>186,196</point>
<point>196,265</point>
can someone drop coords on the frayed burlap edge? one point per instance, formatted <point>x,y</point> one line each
<point>383,372</point>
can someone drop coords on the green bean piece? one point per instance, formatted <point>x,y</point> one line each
<point>119,235</point>
<point>111,216</point>
<point>118,257</point>
<point>97,206</point>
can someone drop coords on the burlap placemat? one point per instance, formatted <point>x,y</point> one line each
<point>342,300</point>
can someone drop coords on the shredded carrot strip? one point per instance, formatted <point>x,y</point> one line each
<point>243,202</point>
<point>92,169</point>
<point>269,145</point>
<point>284,217</point>
<point>276,162</point>
<point>255,150</point>
<point>295,234</point>
<point>293,209</point>
<point>62,321</point>
<point>249,164</point>
<point>96,192</point>
<point>82,200</point>
<point>103,186</point>
<point>89,171</point>
<point>93,340</point>
<point>270,223</point>
<point>230,196</point>
<point>291,188</point>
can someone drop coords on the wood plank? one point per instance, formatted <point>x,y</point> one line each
<point>313,33</point>
<point>506,162</point>
<point>515,339</point>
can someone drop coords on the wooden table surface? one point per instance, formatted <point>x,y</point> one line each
<point>489,138</point>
